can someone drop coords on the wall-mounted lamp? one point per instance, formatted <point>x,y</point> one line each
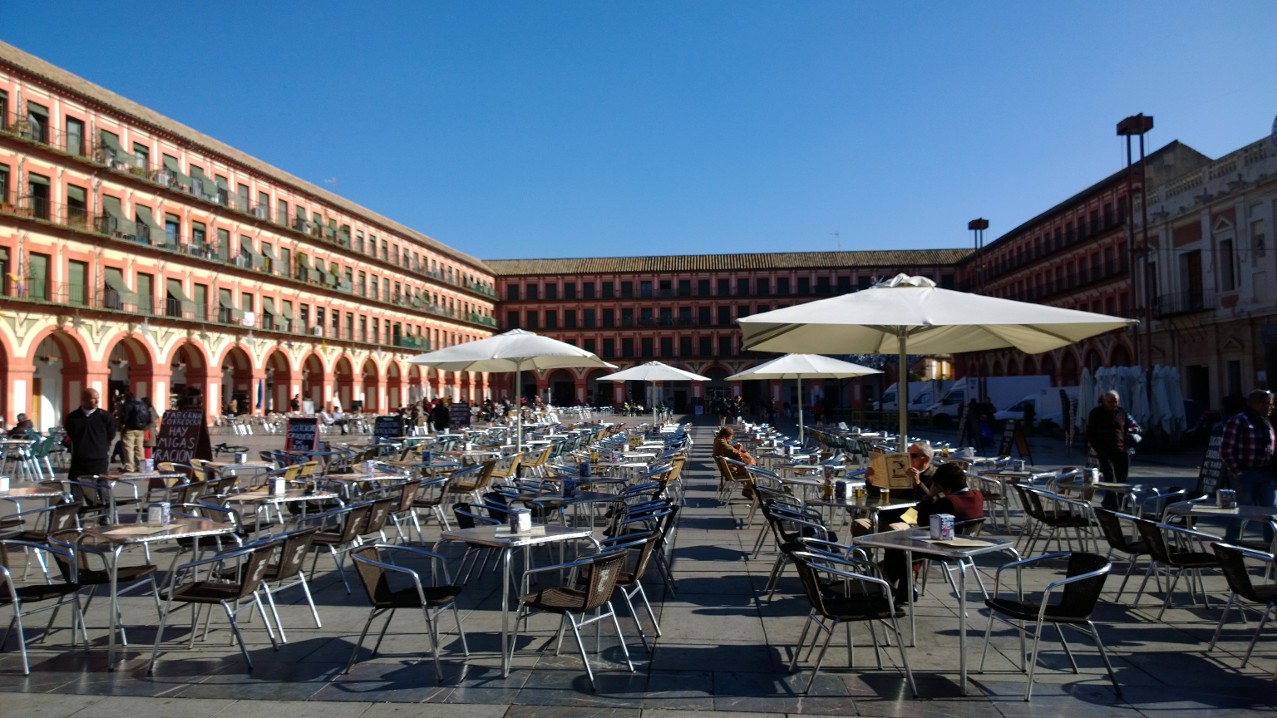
<point>119,363</point>
<point>48,359</point>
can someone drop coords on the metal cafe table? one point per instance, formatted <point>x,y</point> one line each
<point>500,536</point>
<point>918,541</point>
<point>120,536</point>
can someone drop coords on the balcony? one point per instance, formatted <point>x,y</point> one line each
<point>1180,303</point>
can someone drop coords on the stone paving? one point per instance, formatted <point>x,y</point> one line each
<point>725,650</point>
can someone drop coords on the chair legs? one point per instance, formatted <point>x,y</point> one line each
<point>1263,620</point>
<point>432,627</point>
<point>1030,665</point>
<point>570,618</point>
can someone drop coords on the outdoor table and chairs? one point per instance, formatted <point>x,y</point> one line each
<point>121,536</point>
<point>262,500</point>
<point>506,541</point>
<point>959,548</point>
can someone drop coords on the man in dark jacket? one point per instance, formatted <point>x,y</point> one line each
<point>441,416</point>
<point>90,430</point>
<point>1108,430</point>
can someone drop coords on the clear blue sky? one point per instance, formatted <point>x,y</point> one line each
<point>561,129</point>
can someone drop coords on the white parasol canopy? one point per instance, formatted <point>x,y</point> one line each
<point>800,366</point>
<point>906,315</point>
<point>513,351</point>
<point>652,372</point>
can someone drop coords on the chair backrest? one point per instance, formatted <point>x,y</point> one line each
<point>604,570</point>
<point>377,516</point>
<point>1154,539</point>
<point>255,567</point>
<point>372,576</point>
<point>1232,560</point>
<point>1031,502</point>
<point>293,551</point>
<point>408,494</point>
<point>356,518</point>
<point>1111,527</point>
<point>1078,599</point>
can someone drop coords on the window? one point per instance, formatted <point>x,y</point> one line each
<point>684,287</point>
<point>532,293</point>
<point>685,346</point>
<point>37,276</point>
<point>512,319</point>
<point>724,287</point>
<point>587,318</point>
<point>77,290</point>
<point>262,210</point>
<point>37,123</point>
<point>224,244</point>
<point>199,235</point>
<point>551,291</point>
<point>645,290</point>
<point>724,316</point>
<point>569,290</point>
<point>530,319</point>
<point>764,286</point>
<point>569,319</point>
<point>551,319</point>
<point>172,228</point>
<point>4,183</point>
<point>587,290</point>
<point>782,286</point>
<point>725,346</point>
<point>742,287</point>
<point>609,317</point>
<point>141,155</point>
<point>281,211</point>
<point>609,290</point>
<point>75,137</point>
<point>667,347</point>
<point>77,205</point>
<point>706,346</point>
<point>1227,266</point>
<point>145,293</point>
<point>627,317</point>
<point>706,316</point>
<point>685,316</point>
<point>588,345</point>
<point>645,317</point>
<point>627,347</point>
<point>804,286</point>
<point>609,349</point>
<point>241,194</point>
<point>627,290</point>
<point>512,292</point>
<point>37,195</point>
<point>647,346</point>
<point>702,287</point>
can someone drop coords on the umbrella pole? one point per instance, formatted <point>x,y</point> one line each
<point>902,393</point>
<point>518,407</point>
<point>651,397</point>
<point>801,441</point>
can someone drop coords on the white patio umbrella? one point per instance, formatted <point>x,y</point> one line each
<point>652,372</point>
<point>514,351</point>
<point>906,315</point>
<point>800,366</point>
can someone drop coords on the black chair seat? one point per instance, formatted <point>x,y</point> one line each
<point>1193,559</point>
<point>557,599</point>
<point>207,592</point>
<point>861,607</point>
<point>1029,611</point>
<point>40,592</point>
<point>125,574</point>
<point>408,598</point>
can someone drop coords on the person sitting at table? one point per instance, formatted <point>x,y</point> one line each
<point>948,494</point>
<point>22,429</point>
<point>921,471</point>
<point>723,446</point>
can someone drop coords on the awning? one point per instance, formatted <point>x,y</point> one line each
<point>111,142</point>
<point>171,165</point>
<point>324,276</point>
<point>115,280</point>
<point>268,305</point>
<point>225,301</point>
<point>206,186</point>
<point>269,253</point>
<point>246,248</point>
<point>116,212</point>
<point>175,291</point>
<point>145,217</point>
<point>38,179</point>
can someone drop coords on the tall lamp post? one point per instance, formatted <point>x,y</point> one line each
<point>977,227</point>
<point>1132,127</point>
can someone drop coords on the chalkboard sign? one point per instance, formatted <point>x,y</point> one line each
<point>1212,475</point>
<point>302,434</point>
<point>1008,438</point>
<point>1013,437</point>
<point>460,414</point>
<point>387,428</point>
<point>966,426</point>
<point>183,436</point>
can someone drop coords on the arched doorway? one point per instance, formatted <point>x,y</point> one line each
<point>562,385</point>
<point>395,394</point>
<point>61,372</point>
<point>132,368</point>
<point>369,389</point>
<point>1069,372</point>
<point>596,394</point>
<point>279,381</point>
<point>236,385</point>
<point>190,378</point>
<point>312,384</point>
<point>343,382</point>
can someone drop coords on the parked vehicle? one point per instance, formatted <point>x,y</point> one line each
<point>999,390</point>
<point>922,394</point>
<point>1046,406</point>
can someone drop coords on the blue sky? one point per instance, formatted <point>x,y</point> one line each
<point>565,129</point>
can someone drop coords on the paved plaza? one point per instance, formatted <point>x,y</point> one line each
<point>725,649</point>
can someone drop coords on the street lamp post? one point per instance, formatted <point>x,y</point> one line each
<point>977,227</point>
<point>1131,127</point>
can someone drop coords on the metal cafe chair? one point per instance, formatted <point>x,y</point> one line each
<point>25,599</point>
<point>376,564</point>
<point>1232,560</point>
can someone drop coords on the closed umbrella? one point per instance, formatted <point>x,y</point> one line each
<point>514,351</point>
<point>906,315</point>
<point>799,366</point>
<point>1086,398</point>
<point>652,372</point>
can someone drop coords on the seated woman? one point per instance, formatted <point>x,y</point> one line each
<point>723,446</point>
<point>949,494</point>
<point>22,429</point>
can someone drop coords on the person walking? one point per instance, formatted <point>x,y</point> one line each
<point>135,418</point>
<point>90,430</point>
<point>441,416</point>
<point>1247,450</point>
<point>1111,431</point>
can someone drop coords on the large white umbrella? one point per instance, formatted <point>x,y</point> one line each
<point>652,372</point>
<point>798,366</point>
<point>514,351</point>
<point>906,315</point>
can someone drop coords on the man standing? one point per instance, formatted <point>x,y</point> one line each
<point>441,416</point>
<point>135,418</point>
<point>1108,430</point>
<point>90,430</point>
<point>1247,450</point>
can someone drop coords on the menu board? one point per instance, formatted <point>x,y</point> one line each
<point>1008,438</point>
<point>1211,476</point>
<point>890,471</point>
<point>388,427</point>
<point>460,414</point>
<point>302,434</point>
<point>183,436</point>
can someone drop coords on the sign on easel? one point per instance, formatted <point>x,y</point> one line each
<point>302,434</point>
<point>387,428</point>
<point>1013,438</point>
<point>1211,476</point>
<point>183,436</point>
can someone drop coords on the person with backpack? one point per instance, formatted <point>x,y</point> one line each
<point>135,418</point>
